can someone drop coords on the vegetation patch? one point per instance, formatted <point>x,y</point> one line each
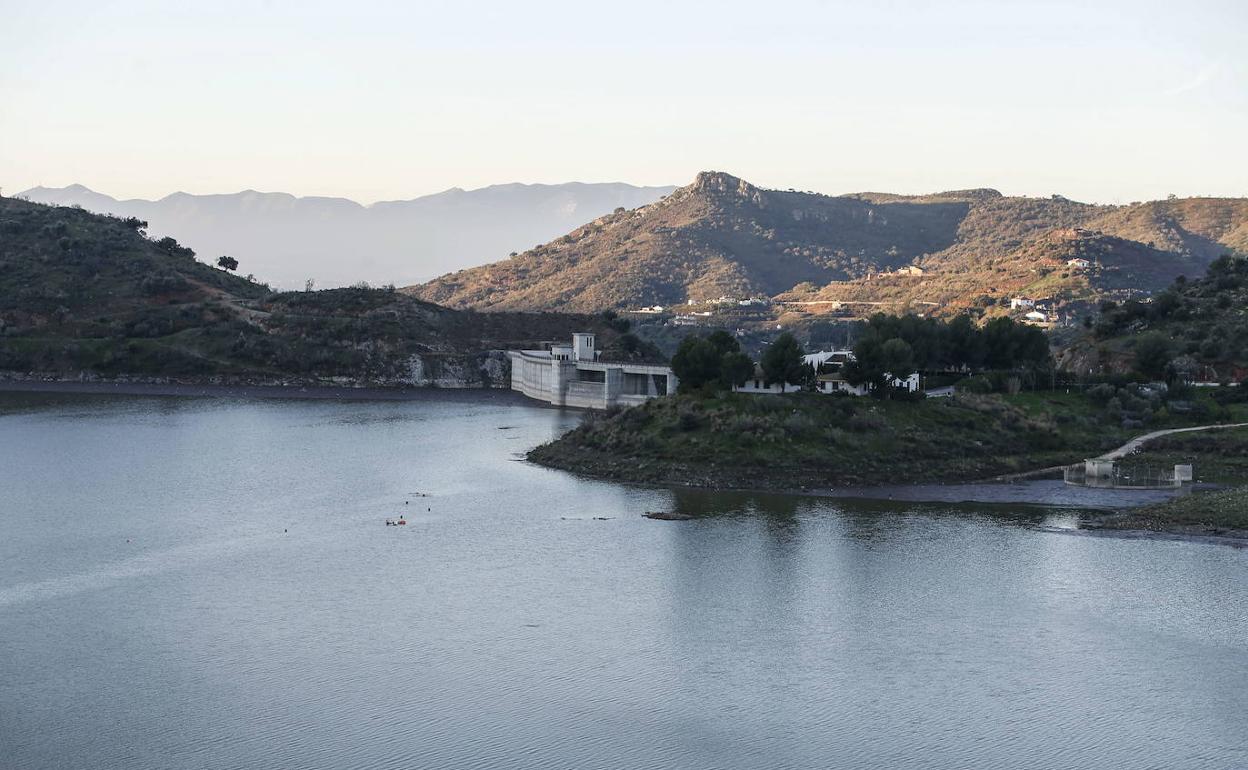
<point>806,440</point>
<point>1222,513</point>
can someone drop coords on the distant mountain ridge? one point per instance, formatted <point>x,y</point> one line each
<point>722,236</point>
<point>285,240</point>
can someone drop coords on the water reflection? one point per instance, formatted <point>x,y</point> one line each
<point>209,583</point>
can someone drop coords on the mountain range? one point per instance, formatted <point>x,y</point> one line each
<point>286,240</point>
<point>724,237</point>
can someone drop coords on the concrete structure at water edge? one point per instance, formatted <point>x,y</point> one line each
<point>572,375</point>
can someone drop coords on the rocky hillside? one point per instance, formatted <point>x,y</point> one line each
<point>92,295</point>
<point>722,236</point>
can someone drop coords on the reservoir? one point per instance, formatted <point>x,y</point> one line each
<point>209,583</point>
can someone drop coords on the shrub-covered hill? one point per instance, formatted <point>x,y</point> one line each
<point>1196,328</point>
<point>86,293</point>
<point>69,267</point>
<point>722,236</point>
<point>815,441</point>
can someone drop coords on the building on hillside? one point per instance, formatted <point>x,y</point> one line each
<point>1018,303</point>
<point>911,270</point>
<point>828,359</point>
<point>758,384</point>
<point>1079,263</point>
<point>572,375</point>
<point>828,380</point>
<point>1036,316</point>
<point>836,383</point>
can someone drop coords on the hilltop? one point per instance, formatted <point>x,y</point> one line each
<point>286,239</point>
<point>84,294</point>
<point>722,236</point>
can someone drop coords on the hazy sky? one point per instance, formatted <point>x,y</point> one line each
<point>1110,101</point>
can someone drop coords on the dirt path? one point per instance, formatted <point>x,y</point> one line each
<point>1139,441</point>
<point>1116,454</point>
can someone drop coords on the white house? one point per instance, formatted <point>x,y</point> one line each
<point>1036,316</point>
<point>1017,303</point>
<point>758,384</point>
<point>1078,263</point>
<point>836,383</point>
<point>830,381</point>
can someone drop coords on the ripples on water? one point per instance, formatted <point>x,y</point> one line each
<point>207,583</point>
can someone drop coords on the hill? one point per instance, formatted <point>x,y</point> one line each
<point>722,236</point>
<point>286,240</point>
<point>83,293</point>
<point>1197,328</point>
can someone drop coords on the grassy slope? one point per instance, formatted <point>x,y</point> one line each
<point>808,440</point>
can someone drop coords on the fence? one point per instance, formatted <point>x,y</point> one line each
<point>1127,477</point>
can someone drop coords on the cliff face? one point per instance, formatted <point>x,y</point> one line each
<point>722,235</point>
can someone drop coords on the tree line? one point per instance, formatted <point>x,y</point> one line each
<point>887,347</point>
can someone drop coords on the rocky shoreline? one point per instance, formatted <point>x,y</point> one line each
<point>229,387</point>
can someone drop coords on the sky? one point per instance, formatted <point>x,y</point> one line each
<point>1099,100</point>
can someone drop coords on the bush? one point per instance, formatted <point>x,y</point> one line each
<point>1101,394</point>
<point>162,283</point>
<point>867,422</point>
<point>977,384</point>
<point>688,420</point>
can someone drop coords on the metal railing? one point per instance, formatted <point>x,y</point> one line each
<point>1124,477</point>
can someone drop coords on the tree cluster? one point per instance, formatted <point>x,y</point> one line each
<point>783,362</point>
<point>714,361</point>
<point>959,344</point>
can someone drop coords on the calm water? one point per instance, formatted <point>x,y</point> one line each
<point>207,583</point>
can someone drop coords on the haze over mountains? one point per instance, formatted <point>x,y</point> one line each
<point>285,240</point>
<point>722,236</point>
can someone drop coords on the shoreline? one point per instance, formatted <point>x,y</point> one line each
<point>1183,534</point>
<point>931,492</point>
<point>289,391</point>
<point>1099,505</point>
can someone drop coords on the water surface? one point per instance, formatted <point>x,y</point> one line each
<point>208,583</point>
